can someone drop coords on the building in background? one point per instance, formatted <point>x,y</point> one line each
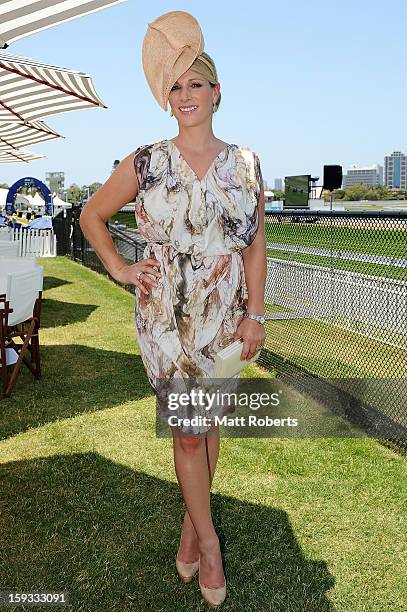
<point>278,184</point>
<point>55,181</point>
<point>395,166</point>
<point>367,175</point>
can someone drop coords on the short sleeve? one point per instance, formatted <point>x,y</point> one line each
<point>248,199</point>
<point>258,177</point>
<point>141,161</point>
<point>253,174</point>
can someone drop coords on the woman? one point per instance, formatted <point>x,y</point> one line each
<point>200,206</point>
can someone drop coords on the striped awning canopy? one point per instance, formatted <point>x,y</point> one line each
<point>16,135</point>
<point>17,155</point>
<point>19,18</point>
<point>31,90</point>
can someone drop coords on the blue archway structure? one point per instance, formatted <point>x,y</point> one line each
<point>28,181</point>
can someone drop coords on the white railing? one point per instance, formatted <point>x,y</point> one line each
<point>374,306</point>
<point>35,242</point>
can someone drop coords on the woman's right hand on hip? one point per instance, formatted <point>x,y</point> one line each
<point>138,274</point>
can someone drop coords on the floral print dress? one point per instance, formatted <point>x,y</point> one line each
<point>196,229</point>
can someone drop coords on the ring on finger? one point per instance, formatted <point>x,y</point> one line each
<point>138,275</point>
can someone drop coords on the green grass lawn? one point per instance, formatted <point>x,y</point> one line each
<point>91,504</point>
<point>128,218</point>
<point>363,239</point>
<point>329,352</point>
<point>369,241</point>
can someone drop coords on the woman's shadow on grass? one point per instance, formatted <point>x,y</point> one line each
<point>108,536</point>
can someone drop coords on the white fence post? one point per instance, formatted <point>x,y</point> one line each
<point>41,243</point>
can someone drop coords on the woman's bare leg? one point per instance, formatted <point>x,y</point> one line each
<point>194,477</point>
<point>188,551</point>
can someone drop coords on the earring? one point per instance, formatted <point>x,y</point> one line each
<point>214,107</point>
<point>171,114</point>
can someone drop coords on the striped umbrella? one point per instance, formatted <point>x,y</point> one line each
<point>15,135</point>
<point>31,90</point>
<point>19,18</point>
<point>16,155</point>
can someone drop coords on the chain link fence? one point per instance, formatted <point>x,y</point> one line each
<point>336,298</point>
<point>335,301</point>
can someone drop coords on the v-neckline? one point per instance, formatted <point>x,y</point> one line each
<point>226,148</point>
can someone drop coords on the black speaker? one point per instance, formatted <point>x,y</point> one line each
<point>332,177</point>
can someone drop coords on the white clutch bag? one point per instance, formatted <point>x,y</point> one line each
<point>228,362</point>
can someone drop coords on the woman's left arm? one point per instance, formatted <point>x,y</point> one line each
<point>255,266</point>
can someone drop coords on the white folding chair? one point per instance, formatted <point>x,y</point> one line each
<point>11,264</point>
<point>20,317</point>
<point>9,248</point>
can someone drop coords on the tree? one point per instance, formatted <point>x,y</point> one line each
<point>74,194</point>
<point>356,192</point>
<point>94,187</point>
<point>367,192</point>
<point>278,195</point>
<point>338,194</point>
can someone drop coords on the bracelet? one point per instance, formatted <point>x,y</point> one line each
<point>259,318</point>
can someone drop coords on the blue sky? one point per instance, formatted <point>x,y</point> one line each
<point>303,84</point>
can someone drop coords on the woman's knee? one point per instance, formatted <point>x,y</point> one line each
<point>189,444</point>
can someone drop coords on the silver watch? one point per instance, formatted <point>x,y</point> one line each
<point>259,318</point>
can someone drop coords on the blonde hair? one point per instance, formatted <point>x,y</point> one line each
<point>205,65</point>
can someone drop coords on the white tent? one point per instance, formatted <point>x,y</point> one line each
<point>3,197</point>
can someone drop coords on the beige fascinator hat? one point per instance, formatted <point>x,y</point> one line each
<point>171,44</point>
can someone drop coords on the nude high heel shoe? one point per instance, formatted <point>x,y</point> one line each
<point>186,571</point>
<point>213,597</point>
